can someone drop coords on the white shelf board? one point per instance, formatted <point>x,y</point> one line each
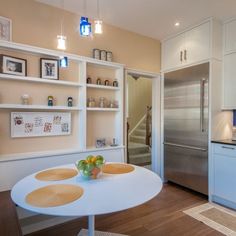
<point>37,50</point>
<point>57,54</point>
<point>32,155</point>
<point>38,80</point>
<point>95,86</point>
<point>38,107</point>
<point>102,109</point>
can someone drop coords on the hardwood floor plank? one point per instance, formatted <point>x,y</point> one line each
<point>162,216</point>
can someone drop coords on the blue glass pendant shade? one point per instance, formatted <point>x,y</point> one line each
<point>85,26</point>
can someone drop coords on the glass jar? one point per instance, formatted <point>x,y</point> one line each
<point>91,102</point>
<point>102,102</point>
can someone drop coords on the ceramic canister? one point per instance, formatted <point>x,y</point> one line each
<point>96,53</point>
<point>103,55</point>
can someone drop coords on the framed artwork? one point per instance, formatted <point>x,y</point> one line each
<point>13,65</point>
<point>101,142</point>
<point>5,29</point>
<point>49,68</point>
<point>34,124</point>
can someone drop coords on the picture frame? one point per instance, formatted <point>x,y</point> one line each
<point>49,68</point>
<point>101,142</point>
<point>5,29</point>
<point>13,65</point>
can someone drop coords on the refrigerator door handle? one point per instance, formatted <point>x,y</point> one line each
<point>202,103</point>
<point>185,146</point>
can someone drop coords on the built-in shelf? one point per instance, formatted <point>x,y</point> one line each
<point>38,80</point>
<point>95,86</point>
<point>102,109</point>
<point>31,155</point>
<point>38,107</point>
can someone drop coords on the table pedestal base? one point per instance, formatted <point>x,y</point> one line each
<point>84,232</point>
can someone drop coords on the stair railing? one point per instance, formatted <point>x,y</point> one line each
<point>148,126</point>
<point>127,138</point>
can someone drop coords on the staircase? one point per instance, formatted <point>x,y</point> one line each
<point>139,152</point>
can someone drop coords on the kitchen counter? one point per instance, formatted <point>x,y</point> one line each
<point>225,141</point>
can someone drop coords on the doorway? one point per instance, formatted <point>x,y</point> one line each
<point>143,102</point>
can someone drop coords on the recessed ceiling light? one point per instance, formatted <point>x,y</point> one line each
<point>177,24</point>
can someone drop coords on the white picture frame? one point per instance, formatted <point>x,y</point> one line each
<point>5,29</point>
<point>36,124</point>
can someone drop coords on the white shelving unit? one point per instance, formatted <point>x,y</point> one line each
<point>81,114</point>
<point>37,80</point>
<point>38,107</point>
<point>102,109</point>
<point>95,86</point>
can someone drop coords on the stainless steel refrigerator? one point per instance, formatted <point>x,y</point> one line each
<point>186,127</point>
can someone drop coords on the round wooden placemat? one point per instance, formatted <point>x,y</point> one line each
<point>117,168</point>
<point>54,195</point>
<point>56,174</point>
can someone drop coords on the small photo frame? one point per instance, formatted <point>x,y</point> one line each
<point>13,65</point>
<point>49,68</point>
<point>5,29</point>
<point>101,142</point>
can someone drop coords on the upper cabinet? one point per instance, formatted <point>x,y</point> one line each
<point>230,36</point>
<point>192,46</point>
<point>229,71</point>
<point>197,44</point>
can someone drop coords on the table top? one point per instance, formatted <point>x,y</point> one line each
<point>109,193</point>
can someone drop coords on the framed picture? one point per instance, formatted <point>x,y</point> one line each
<point>5,29</point>
<point>13,65</point>
<point>101,142</point>
<point>49,68</point>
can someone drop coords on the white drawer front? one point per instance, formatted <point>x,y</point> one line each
<point>224,149</point>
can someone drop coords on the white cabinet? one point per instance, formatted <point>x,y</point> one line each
<point>197,44</point>
<point>224,174</point>
<point>172,52</point>
<point>229,60</point>
<point>189,47</point>
<point>230,36</point>
<point>229,99</point>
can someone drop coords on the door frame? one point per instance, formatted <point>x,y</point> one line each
<point>156,161</point>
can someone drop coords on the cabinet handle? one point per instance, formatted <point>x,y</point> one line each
<point>228,148</point>
<point>181,56</point>
<point>185,55</point>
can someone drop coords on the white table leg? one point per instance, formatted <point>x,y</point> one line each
<point>91,225</point>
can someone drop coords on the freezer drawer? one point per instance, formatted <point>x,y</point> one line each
<point>187,166</point>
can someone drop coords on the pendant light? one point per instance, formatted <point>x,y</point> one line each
<point>98,23</point>
<point>61,39</point>
<point>85,25</point>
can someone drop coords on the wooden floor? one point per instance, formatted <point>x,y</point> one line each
<point>161,216</point>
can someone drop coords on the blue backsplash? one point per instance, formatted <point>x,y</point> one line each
<point>234,117</point>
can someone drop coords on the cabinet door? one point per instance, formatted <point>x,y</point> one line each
<point>225,177</point>
<point>171,52</point>
<point>229,81</point>
<point>230,36</point>
<point>197,44</point>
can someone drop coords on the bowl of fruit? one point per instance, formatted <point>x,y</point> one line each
<point>91,166</point>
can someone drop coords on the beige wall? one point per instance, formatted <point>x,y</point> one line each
<point>38,24</point>
<point>139,97</point>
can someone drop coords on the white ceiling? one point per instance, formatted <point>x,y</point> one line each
<point>153,18</point>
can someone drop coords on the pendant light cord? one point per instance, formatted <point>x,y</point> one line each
<point>85,8</point>
<point>63,16</point>
<point>98,10</point>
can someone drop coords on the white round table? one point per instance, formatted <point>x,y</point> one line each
<point>109,193</point>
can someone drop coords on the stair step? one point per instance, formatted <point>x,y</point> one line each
<point>138,150</point>
<point>140,158</point>
<point>140,132</point>
<point>137,139</point>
